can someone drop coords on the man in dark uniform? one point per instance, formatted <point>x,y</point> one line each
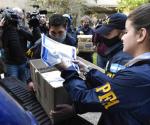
<point>57,32</point>
<point>85,29</point>
<point>109,43</point>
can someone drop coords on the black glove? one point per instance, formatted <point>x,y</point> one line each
<point>62,111</point>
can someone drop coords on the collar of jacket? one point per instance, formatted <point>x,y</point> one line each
<point>113,50</point>
<point>142,57</point>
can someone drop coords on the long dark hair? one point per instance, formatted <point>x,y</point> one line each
<point>140,17</point>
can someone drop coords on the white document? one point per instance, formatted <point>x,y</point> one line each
<point>53,52</point>
<point>53,78</point>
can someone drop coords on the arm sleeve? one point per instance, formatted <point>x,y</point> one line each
<point>113,94</point>
<point>26,33</point>
<point>36,32</point>
<point>85,100</point>
<point>95,78</point>
<point>14,45</point>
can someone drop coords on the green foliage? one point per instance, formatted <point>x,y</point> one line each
<point>94,58</point>
<point>128,5</point>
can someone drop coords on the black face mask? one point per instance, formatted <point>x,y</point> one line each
<point>113,41</point>
<point>86,26</point>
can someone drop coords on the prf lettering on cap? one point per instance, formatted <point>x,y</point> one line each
<point>109,98</point>
<point>107,20</point>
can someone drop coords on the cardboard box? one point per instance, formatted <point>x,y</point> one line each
<point>49,92</point>
<point>84,38</point>
<point>37,65</point>
<point>91,64</point>
<point>85,43</point>
<point>86,47</point>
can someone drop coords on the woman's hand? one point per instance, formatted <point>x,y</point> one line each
<point>65,64</point>
<point>82,66</point>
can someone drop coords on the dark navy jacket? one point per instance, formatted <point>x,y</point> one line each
<point>70,40</point>
<point>116,59</point>
<point>123,100</point>
<point>86,31</point>
<point>71,30</point>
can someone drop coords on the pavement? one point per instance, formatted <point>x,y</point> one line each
<point>91,117</point>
